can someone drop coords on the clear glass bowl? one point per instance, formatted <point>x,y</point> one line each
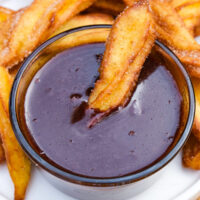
<point>71,38</point>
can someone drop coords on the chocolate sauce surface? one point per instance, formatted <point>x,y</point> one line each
<point>126,141</point>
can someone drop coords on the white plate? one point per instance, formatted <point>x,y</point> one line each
<point>177,183</point>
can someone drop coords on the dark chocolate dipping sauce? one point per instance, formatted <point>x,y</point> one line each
<point>128,140</point>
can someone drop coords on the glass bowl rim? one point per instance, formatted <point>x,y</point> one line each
<point>92,181</point>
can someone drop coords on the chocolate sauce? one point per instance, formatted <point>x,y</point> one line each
<point>126,141</point>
